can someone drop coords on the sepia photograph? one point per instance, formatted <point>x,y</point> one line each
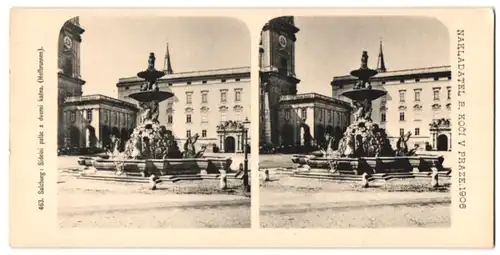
<point>355,122</point>
<point>153,120</point>
<point>140,128</point>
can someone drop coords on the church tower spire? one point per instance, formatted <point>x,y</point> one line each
<point>381,63</point>
<point>167,66</point>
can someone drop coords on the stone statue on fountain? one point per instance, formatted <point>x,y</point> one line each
<point>363,138</point>
<point>190,148</point>
<point>402,145</point>
<point>363,81</point>
<point>150,140</point>
<point>363,110</point>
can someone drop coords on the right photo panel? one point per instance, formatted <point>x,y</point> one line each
<point>355,125</point>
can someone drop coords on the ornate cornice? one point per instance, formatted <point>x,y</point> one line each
<point>99,99</point>
<point>223,108</point>
<point>238,108</point>
<point>70,78</point>
<point>183,77</point>
<point>204,109</point>
<point>436,106</point>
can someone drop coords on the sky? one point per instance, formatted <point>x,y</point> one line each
<point>114,48</point>
<point>332,46</point>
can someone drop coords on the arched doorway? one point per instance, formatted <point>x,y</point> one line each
<point>442,143</point>
<point>115,132</point>
<point>74,137</point>
<point>337,134</point>
<point>329,130</point>
<point>287,134</point>
<point>229,144</point>
<point>105,137</point>
<point>90,139</point>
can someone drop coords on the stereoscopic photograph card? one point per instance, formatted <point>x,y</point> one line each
<point>252,127</point>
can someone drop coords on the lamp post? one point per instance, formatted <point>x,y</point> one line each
<point>245,151</point>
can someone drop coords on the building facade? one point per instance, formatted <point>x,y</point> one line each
<point>90,121</point>
<point>70,81</point>
<point>417,100</point>
<point>306,118</point>
<point>288,118</point>
<point>212,103</point>
<point>277,74</point>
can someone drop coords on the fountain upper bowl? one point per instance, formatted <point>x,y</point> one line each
<point>148,96</point>
<point>362,94</point>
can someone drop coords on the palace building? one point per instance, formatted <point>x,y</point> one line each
<point>288,118</point>
<point>90,120</point>
<point>306,118</point>
<point>417,100</point>
<point>212,103</point>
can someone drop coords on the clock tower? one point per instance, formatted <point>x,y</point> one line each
<point>69,78</point>
<point>277,73</point>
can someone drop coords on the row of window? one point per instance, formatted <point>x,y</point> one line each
<point>383,116</point>
<point>416,133</point>
<point>417,92</point>
<point>321,114</point>
<point>203,133</point>
<point>204,118</point>
<point>71,117</point>
<point>223,96</point>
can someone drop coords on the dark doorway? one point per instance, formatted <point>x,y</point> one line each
<point>442,143</point>
<point>319,134</point>
<point>105,137</point>
<point>229,144</point>
<point>329,130</point>
<point>115,132</point>
<point>287,134</point>
<point>74,136</point>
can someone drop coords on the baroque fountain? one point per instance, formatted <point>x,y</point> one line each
<point>365,148</point>
<point>152,148</point>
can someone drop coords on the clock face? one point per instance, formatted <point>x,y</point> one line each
<point>68,43</point>
<point>282,40</point>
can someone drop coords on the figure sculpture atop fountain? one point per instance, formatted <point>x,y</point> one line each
<point>364,73</point>
<point>364,60</point>
<point>151,75</point>
<point>151,61</point>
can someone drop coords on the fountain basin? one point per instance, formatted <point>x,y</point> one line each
<point>373,165</point>
<point>146,96</point>
<point>160,167</point>
<point>362,94</point>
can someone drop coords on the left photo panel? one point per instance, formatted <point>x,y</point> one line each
<point>153,122</point>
